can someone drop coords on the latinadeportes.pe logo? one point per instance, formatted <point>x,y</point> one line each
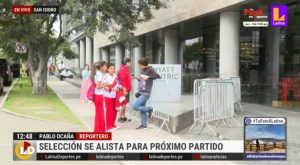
<point>24,150</point>
<point>279,15</point>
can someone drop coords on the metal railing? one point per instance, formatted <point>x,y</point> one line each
<point>237,91</point>
<point>213,101</point>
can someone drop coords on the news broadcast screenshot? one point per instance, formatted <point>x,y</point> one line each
<point>140,82</point>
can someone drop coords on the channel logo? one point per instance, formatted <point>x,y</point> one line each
<point>24,150</point>
<point>279,16</point>
<point>255,17</point>
<point>251,13</point>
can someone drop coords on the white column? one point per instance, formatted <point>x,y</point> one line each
<point>138,53</point>
<point>119,56</point>
<point>88,50</point>
<point>82,54</point>
<point>157,54</point>
<point>105,54</point>
<point>96,56</point>
<point>181,47</point>
<point>171,47</point>
<point>229,44</point>
<point>127,53</point>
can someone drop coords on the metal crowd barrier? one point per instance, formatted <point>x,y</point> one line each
<point>213,101</point>
<point>135,115</point>
<point>156,95</point>
<point>165,119</point>
<point>237,91</point>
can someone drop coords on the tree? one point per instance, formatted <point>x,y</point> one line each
<point>88,16</point>
<point>64,49</point>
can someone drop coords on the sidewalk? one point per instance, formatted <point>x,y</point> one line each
<point>85,111</point>
<point>12,123</point>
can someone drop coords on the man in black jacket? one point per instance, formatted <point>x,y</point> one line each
<point>145,84</point>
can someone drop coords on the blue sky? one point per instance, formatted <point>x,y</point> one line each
<point>265,131</point>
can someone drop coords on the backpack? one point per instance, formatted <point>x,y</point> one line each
<point>91,92</point>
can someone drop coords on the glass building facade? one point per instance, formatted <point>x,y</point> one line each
<point>269,57</point>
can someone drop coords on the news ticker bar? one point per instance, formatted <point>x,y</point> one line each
<point>62,136</point>
<point>99,146</point>
<point>140,156</point>
<point>35,9</point>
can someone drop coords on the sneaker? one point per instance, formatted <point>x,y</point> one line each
<point>142,127</point>
<point>125,119</point>
<point>150,112</point>
<point>120,120</point>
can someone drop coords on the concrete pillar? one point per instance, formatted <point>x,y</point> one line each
<point>229,44</point>
<point>158,41</point>
<point>157,54</point>
<point>82,54</point>
<point>138,53</point>
<point>119,56</point>
<point>127,53</point>
<point>271,76</point>
<point>96,56</point>
<point>171,47</point>
<point>77,51</point>
<point>105,54</point>
<point>88,50</point>
<point>96,50</point>
<point>181,48</point>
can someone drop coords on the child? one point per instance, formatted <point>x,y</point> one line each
<point>96,76</point>
<point>110,86</point>
<point>124,78</point>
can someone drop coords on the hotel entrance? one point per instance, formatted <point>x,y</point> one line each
<point>269,57</point>
<point>270,62</point>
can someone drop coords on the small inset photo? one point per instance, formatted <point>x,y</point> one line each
<point>265,138</point>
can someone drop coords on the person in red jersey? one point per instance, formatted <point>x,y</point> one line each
<point>124,79</point>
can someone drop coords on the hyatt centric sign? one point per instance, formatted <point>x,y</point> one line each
<point>168,88</point>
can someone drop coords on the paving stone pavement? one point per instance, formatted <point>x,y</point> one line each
<point>70,95</point>
<point>10,123</point>
<point>85,112</point>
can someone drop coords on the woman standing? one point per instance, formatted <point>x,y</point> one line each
<point>98,70</point>
<point>111,86</point>
<point>85,82</point>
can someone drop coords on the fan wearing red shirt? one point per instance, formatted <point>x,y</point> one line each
<point>124,79</point>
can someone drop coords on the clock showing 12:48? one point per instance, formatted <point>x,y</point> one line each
<point>23,136</point>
